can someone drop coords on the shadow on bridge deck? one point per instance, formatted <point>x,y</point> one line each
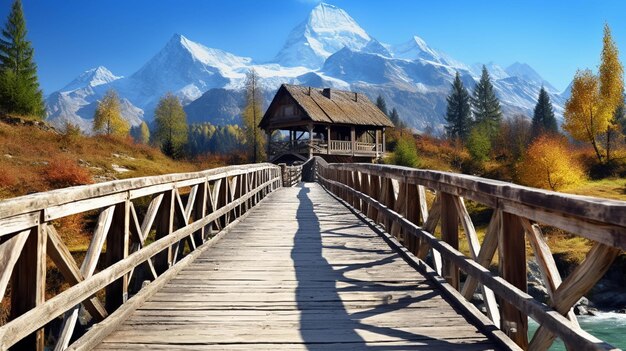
<point>313,270</point>
<point>301,272</point>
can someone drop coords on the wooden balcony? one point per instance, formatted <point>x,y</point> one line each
<point>323,147</point>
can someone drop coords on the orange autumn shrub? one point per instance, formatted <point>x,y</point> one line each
<point>548,163</point>
<point>62,172</point>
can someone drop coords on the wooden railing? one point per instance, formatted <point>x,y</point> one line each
<point>293,175</point>
<point>342,147</point>
<point>396,198</point>
<point>145,230</point>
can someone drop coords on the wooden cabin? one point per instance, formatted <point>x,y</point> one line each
<point>340,126</point>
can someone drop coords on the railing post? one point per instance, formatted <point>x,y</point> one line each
<point>512,261</point>
<point>450,234</point>
<point>164,226</point>
<point>117,249</point>
<point>29,283</point>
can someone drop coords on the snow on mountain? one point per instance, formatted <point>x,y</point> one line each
<point>327,30</point>
<point>329,49</point>
<point>93,77</point>
<point>495,71</point>
<point>527,73</point>
<point>76,103</point>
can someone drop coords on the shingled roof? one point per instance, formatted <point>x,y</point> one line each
<point>331,106</point>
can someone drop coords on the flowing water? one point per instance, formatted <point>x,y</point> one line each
<point>607,326</point>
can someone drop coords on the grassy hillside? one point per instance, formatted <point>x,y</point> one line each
<point>35,157</point>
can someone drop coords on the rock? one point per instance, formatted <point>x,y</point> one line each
<point>621,310</point>
<point>583,301</point>
<point>8,155</point>
<point>580,310</point>
<point>119,169</point>
<point>592,311</point>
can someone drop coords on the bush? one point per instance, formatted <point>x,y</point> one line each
<point>62,173</point>
<point>548,164</point>
<point>479,143</point>
<point>406,153</point>
<point>7,178</point>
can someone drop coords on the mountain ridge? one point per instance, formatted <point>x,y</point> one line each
<point>412,76</point>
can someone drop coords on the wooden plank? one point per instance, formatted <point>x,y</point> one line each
<point>474,247</point>
<point>450,234</point>
<point>55,198</point>
<point>28,286</point>
<point>19,223</point>
<point>96,334</point>
<point>548,318</point>
<point>512,260</point>
<point>10,251</point>
<point>487,251</point>
<point>547,265</point>
<point>63,260</point>
<point>308,278</point>
<point>34,318</point>
<point>583,278</point>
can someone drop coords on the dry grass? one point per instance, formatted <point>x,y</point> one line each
<point>34,160</point>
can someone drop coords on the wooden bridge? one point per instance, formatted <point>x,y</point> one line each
<point>250,257</point>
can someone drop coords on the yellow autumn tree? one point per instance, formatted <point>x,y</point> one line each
<point>611,76</point>
<point>583,118</point>
<point>548,164</point>
<point>108,117</point>
<point>252,114</point>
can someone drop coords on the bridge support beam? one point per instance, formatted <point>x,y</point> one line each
<point>450,234</point>
<point>117,249</point>
<point>28,284</point>
<point>512,260</point>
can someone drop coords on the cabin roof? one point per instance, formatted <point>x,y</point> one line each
<point>330,106</point>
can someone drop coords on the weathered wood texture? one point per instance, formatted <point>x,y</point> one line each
<point>515,211</point>
<point>127,247</point>
<point>300,272</point>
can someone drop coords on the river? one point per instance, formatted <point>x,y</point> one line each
<point>607,326</point>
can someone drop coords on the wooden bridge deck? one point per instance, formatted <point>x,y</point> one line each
<point>300,272</point>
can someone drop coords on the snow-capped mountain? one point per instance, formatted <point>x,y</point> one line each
<point>327,30</point>
<point>329,49</point>
<point>76,103</point>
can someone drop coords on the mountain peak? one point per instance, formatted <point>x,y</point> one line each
<point>526,72</point>
<point>326,30</point>
<point>202,54</point>
<point>92,77</point>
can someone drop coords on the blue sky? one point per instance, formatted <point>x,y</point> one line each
<point>554,37</point>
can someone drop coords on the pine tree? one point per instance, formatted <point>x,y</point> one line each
<point>19,87</point>
<point>485,105</point>
<point>382,105</point>
<point>611,78</point>
<point>458,112</point>
<point>108,118</point>
<point>395,118</point>
<point>252,115</point>
<point>171,126</point>
<point>543,116</point>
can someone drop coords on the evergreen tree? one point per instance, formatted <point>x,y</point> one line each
<point>19,87</point>
<point>485,105</point>
<point>458,112</point>
<point>382,105</point>
<point>543,116</point>
<point>171,126</point>
<point>252,115</point>
<point>108,118</point>
<point>395,118</point>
